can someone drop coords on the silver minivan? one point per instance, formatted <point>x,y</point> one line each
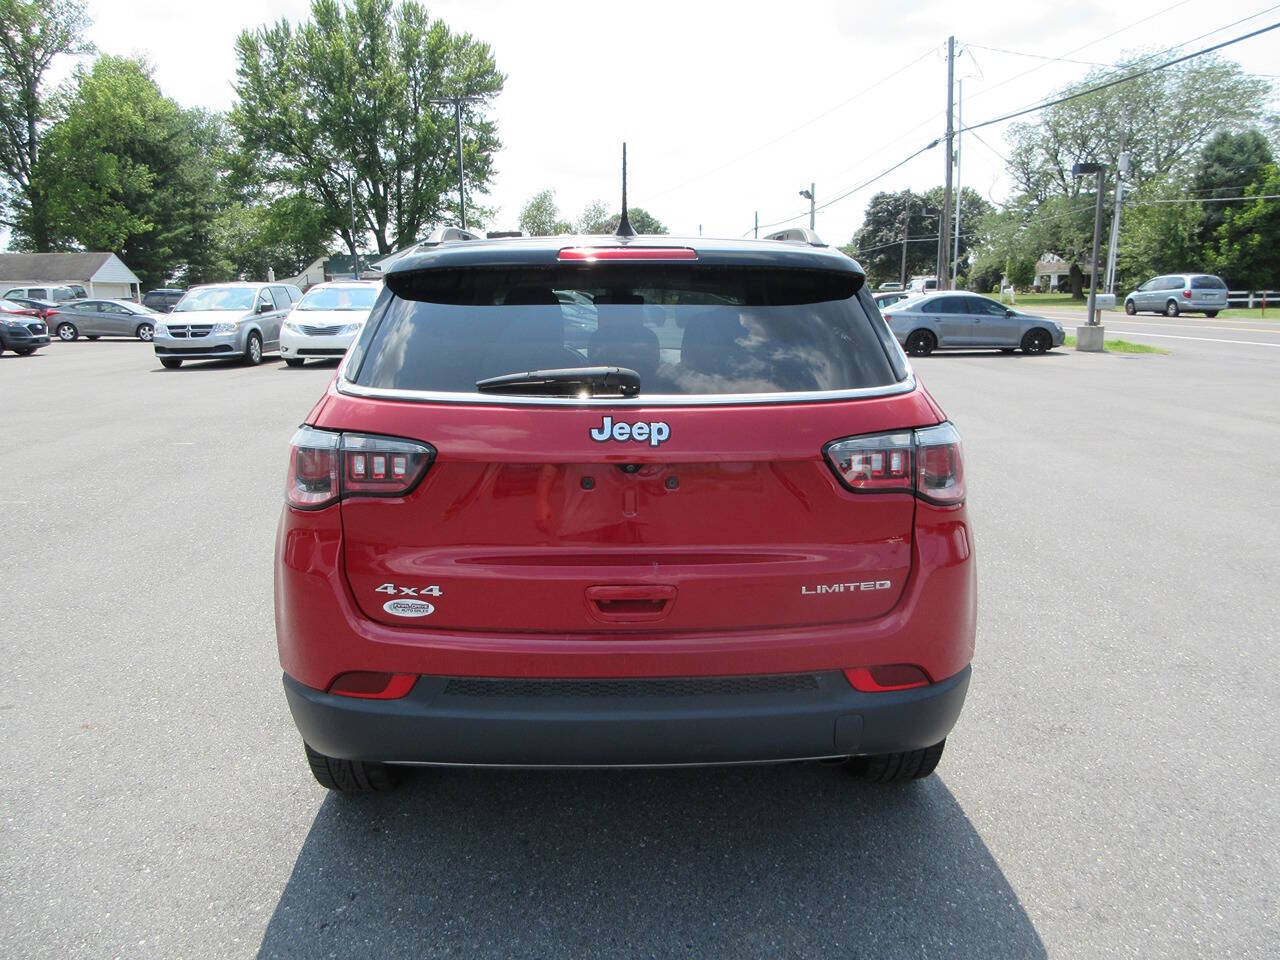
<point>1176,293</point>
<point>224,321</point>
<point>954,320</point>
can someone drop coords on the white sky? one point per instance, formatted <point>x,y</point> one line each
<point>728,107</point>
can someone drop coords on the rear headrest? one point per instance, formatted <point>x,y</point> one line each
<point>530,297</point>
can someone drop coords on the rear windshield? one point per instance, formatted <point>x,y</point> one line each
<point>1207,283</point>
<point>685,330</point>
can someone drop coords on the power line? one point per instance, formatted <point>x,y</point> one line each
<point>1042,56</point>
<point>1083,46</point>
<point>866,183</point>
<point>826,113</point>
<point>1125,79</point>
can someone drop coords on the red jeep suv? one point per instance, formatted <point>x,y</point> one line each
<point>610,501</point>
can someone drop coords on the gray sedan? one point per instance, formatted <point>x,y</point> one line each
<point>966,321</point>
<point>101,318</point>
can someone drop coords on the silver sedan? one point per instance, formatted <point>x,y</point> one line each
<point>965,321</point>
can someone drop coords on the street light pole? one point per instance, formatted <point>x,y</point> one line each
<point>1090,336</point>
<point>809,195</point>
<point>944,225</point>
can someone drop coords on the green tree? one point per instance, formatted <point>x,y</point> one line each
<point>596,219</point>
<point>1247,244</point>
<point>283,234</point>
<point>32,36</point>
<point>877,244</point>
<point>1158,233</point>
<point>1228,165</point>
<point>540,217</point>
<point>127,170</point>
<point>357,90</point>
<point>1162,119</point>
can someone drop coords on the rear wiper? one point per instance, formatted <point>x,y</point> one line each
<point>566,382</point>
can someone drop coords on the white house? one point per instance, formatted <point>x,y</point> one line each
<point>101,274</point>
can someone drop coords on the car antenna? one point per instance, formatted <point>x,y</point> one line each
<point>624,224</point>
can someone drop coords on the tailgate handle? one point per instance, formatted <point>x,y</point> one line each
<point>637,603</point>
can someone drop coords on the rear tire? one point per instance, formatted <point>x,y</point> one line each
<point>253,350</point>
<point>350,776</point>
<point>1211,314</point>
<point>921,343</point>
<point>92,336</point>
<point>1036,341</point>
<point>293,361</point>
<point>1171,309</point>
<point>171,363</point>
<point>1006,349</point>
<point>67,332</point>
<point>1130,307</point>
<point>897,767</point>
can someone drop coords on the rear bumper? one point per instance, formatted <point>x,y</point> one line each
<point>635,722</point>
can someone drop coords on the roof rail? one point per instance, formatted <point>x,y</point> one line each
<point>448,235</point>
<point>797,235</point>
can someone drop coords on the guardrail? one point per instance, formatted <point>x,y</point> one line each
<point>1253,298</point>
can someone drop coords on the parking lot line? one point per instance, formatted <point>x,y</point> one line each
<point>1175,336</point>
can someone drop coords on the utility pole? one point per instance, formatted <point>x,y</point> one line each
<point>756,232</point>
<point>355,249</point>
<point>955,255</point>
<point>944,224</point>
<point>1122,170</point>
<point>462,174</point>
<point>457,102</point>
<point>906,225</point>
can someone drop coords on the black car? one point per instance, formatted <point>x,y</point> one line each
<point>21,329</point>
<point>162,299</point>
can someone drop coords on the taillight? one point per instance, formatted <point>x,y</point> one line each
<point>1186,294</point>
<point>888,317</point>
<point>324,467</point>
<point>927,462</point>
<point>592,254</point>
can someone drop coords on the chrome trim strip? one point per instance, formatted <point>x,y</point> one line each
<point>345,386</point>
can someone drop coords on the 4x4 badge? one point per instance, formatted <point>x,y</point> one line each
<point>653,432</point>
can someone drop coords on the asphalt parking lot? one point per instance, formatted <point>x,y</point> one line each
<point>1111,790</point>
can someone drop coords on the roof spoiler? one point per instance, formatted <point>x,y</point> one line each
<point>797,235</point>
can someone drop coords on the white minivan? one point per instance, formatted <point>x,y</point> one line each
<point>327,320</point>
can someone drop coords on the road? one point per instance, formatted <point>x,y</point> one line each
<point>1111,789</point>
<point>1170,332</point>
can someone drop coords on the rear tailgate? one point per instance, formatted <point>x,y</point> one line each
<point>525,522</point>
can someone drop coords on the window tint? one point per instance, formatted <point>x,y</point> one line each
<point>38,293</point>
<point>1173,283</point>
<point>984,307</point>
<point>1207,283</point>
<point>685,330</point>
<point>951,305</point>
<point>264,300</point>
<point>281,297</point>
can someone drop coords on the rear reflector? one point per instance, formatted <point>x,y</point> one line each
<point>324,467</point>
<point>887,677</point>
<point>373,686</point>
<point>592,254</point>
